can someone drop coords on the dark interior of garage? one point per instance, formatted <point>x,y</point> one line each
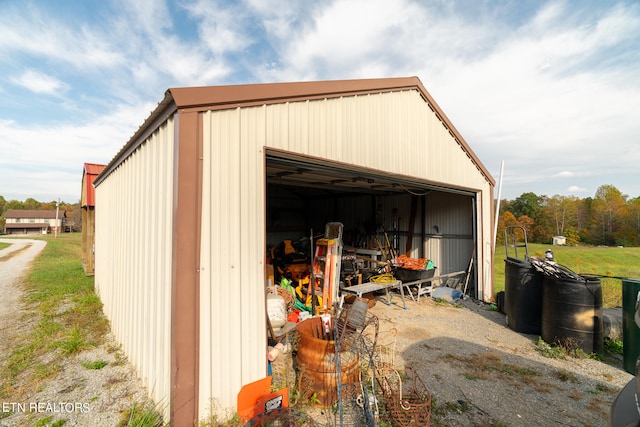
<point>383,217</point>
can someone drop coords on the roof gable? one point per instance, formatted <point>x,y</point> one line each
<point>234,96</point>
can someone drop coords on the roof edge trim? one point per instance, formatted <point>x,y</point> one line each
<point>165,108</point>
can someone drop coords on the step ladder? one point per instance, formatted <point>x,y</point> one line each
<point>327,261</point>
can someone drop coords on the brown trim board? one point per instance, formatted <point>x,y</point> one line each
<point>186,279</point>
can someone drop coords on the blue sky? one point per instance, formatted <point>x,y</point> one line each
<point>552,88</point>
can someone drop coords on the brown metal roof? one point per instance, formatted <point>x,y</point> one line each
<point>26,225</point>
<point>233,96</point>
<point>216,97</point>
<point>25,213</point>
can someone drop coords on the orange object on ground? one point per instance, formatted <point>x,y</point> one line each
<point>255,400</point>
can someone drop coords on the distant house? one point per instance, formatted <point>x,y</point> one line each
<point>559,240</point>
<point>88,203</point>
<point>18,221</point>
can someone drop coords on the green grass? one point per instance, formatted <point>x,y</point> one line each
<point>141,416</point>
<point>586,260</point>
<point>94,365</point>
<point>4,245</point>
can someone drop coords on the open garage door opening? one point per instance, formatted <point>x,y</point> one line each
<point>378,211</point>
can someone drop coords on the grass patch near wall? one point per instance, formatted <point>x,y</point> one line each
<point>64,316</point>
<point>585,260</point>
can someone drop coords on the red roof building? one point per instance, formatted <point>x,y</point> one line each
<point>88,203</point>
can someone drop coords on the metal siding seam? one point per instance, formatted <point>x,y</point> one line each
<point>235,305</point>
<point>205,383</point>
<point>252,253</point>
<point>167,252</point>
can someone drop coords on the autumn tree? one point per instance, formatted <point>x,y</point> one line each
<point>608,209</point>
<point>629,232</point>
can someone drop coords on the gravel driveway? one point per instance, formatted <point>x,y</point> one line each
<point>12,271</point>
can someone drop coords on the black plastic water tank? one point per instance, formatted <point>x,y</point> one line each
<point>572,312</point>
<point>522,296</point>
<point>630,331</point>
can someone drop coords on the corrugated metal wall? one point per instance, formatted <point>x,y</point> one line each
<point>449,231</point>
<point>232,297</point>
<point>134,213</point>
<point>400,134</point>
<point>392,132</point>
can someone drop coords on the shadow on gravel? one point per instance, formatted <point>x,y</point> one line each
<point>475,385</point>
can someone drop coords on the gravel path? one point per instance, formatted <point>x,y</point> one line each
<point>76,396</point>
<point>483,373</point>
<point>17,259</point>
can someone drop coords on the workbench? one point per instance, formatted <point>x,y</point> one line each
<point>365,288</point>
<point>424,287</point>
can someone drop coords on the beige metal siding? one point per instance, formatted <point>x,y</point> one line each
<point>449,225</point>
<point>393,132</point>
<point>400,134</point>
<point>232,298</point>
<point>134,219</point>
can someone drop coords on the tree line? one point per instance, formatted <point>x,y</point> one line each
<point>73,212</point>
<point>609,218</point>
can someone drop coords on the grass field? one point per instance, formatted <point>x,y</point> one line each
<point>4,245</point>
<point>586,260</point>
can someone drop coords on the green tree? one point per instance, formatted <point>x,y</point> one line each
<point>528,204</point>
<point>31,204</point>
<point>14,204</point>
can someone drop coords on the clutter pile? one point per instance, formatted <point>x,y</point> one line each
<point>333,342</point>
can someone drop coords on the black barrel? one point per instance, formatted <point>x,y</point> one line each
<point>522,296</point>
<point>572,312</point>
<point>630,331</point>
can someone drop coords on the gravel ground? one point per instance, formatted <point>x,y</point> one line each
<point>77,396</point>
<point>481,373</point>
<point>17,258</point>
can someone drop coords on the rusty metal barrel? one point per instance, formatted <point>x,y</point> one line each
<point>316,360</point>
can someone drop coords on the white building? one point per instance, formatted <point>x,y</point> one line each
<point>18,221</point>
<point>559,240</point>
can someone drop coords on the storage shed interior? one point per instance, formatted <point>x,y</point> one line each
<point>418,219</point>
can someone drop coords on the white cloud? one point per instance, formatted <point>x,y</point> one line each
<point>37,82</point>
<point>553,93</point>
<point>47,161</point>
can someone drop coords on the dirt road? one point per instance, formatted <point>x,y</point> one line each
<point>17,259</point>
